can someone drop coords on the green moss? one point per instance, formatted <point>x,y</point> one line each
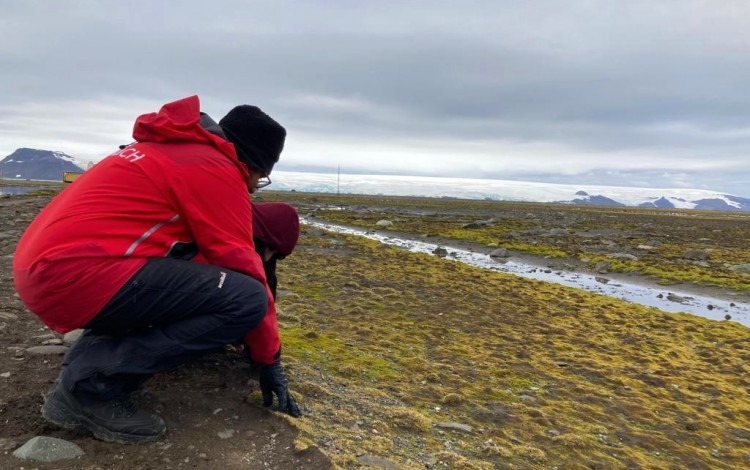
<point>546,375</point>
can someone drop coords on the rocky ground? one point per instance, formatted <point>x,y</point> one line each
<point>402,360</point>
<point>213,420</point>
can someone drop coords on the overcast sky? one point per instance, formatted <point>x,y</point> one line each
<point>636,93</point>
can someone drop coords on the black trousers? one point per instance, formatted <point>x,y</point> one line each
<point>169,312</point>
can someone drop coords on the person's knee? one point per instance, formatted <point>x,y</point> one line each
<point>251,302</point>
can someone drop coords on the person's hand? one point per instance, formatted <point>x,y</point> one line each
<point>273,381</point>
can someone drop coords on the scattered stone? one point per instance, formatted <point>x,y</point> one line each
<point>602,267</point>
<point>7,444</point>
<point>376,462</point>
<point>727,317</point>
<point>715,453</point>
<point>602,280</point>
<point>440,251</point>
<point>455,426</point>
<point>53,342</point>
<point>500,253</point>
<point>677,298</point>
<point>553,432</point>
<point>626,256</point>
<point>471,226</point>
<point>48,449</point>
<point>383,223</point>
<point>555,232</point>
<point>45,336</point>
<point>72,336</point>
<point>7,315</point>
<point>745,268</point>
<point>227,434</point>
<point>5,375</point>
<point>646,247</point>
<point>47,350</point>
<point>696,255</point>
<point>710,307</point>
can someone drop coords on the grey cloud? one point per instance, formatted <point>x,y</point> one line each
<point>635,78</point>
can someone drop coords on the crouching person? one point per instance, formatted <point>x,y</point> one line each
<point>112,254</point>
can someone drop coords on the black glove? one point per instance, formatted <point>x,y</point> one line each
<point>273,380</point>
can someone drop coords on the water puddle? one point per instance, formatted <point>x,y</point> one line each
<point>667,300</point>
<point>17,190</point>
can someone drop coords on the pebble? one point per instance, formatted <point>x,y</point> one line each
<point>45,336</point>
<point>48,449</point>
<point>227,434</point>
<point>376,462</point>
<point>72,336</point>
<point>53,342</point>
<point>7,444</point>
<point>47,350</point>
<point>5,375</point>
<point>455,426</point>
<point>7,315</point>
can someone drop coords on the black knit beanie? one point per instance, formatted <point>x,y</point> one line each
<point>257,138</point>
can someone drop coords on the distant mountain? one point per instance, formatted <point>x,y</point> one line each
<point>595,200</point>
<point>26,163</point>
<point>508,190</point>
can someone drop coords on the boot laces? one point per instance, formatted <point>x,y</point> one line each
<point>126,407</point>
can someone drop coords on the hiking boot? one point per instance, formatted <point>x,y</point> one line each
<point>112,421</point>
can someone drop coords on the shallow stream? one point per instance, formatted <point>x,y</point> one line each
<point>652,296</point>
<point>16,190</point>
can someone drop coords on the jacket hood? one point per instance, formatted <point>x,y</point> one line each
<point>182,121</point>
<point>277,225</point>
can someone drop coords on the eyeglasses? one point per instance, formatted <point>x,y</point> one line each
<point>263,182</point>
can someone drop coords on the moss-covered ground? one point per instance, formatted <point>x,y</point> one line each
<point>658,239</point>
<point>385,346</point>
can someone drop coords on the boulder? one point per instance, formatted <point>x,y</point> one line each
<point>383,223</point>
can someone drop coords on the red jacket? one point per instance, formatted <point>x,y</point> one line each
<point>178,183</point>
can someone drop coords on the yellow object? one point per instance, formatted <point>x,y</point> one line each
<point>70,176</point>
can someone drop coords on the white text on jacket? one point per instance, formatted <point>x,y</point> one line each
<point>130,154</point>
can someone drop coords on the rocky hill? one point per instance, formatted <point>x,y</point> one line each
<point>26,163</point>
